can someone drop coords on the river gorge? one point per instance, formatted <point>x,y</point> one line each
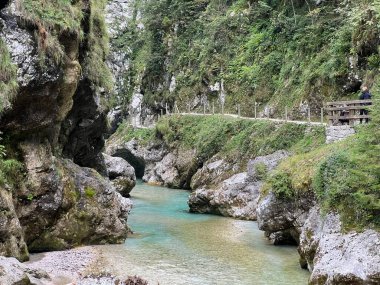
<point>172,246</point>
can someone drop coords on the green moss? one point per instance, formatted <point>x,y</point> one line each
<point>89,192</point>
<point>97,39</point>
<point>8,77</point>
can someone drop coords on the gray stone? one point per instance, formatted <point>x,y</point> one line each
<point>338,133</point>
<point>12,242</point>
<point>121,173</point>
<point>236,196</point>
<point>335,257</point>
<point>12,272</point>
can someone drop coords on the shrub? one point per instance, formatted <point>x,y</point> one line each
<point>282,185</point>
<point>261,171</point>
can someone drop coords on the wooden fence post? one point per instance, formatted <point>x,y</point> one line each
<point>213,107</point>
<point>286,113</point>
<point>239,110</point>
<point>308,115</point>
<point>204,108</point>
<point>321,115</point>
<point>255,110</point>
<point>223,108</point>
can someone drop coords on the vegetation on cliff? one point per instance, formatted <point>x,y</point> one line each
<point>8,77</point>
<point>344,176</point>
<point>271,51</point>
<point>56,20</point>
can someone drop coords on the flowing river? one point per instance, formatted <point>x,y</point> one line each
<point>174,247</point>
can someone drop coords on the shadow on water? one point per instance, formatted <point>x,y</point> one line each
<point>172,246</point>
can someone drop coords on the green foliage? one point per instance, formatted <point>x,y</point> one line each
<point>89,192</point>
<point>53,14</point>
<point>11,170</point>
<point>233,138</point>
<point>282,185</point>
<point>345,176</point>
<point>126,133</point>
<point>261,171</point>
<point>8,77</point>
<point>268,51</point>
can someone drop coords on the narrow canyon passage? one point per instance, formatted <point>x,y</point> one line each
<point>172,246</point>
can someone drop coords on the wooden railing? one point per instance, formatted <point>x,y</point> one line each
<point>347,112</point>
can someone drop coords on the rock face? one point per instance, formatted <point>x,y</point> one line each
<point>67,205</point>
<point>55,115</point>
<point>155,163</point>
<point>121,173</point>
<point>12,239</point>
<point>236,196</point>
<point>12,272</point>
<point>282,219</point>
<point>332,256</point>
<point>339,258</point>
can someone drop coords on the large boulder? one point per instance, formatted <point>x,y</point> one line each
<point>238,195</point>
<point>335,257</point>
<point>12,272</point>
<point>332,255</point>
<point>121,174</point>
<point>66,205</point>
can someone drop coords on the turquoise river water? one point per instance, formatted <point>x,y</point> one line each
<point>170,246</point>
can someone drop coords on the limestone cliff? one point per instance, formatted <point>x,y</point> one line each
<point>54,126</point>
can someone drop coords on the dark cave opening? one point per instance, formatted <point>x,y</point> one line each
<point>3,4</point>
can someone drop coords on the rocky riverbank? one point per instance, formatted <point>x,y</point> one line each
<point>224,186</point>
<point>50,268</point>
<point>79,266</point>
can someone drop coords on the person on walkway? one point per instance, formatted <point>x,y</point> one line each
<point>366,95</point>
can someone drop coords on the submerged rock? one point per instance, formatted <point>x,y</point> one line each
<point>110,280</point>
<point>121,173</point>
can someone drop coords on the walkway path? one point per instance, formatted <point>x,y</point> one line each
<point>244,118</point>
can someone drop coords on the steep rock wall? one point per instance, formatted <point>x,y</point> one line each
<point>56,114</point>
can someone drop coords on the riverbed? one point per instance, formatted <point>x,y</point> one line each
<point>170,246</point>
